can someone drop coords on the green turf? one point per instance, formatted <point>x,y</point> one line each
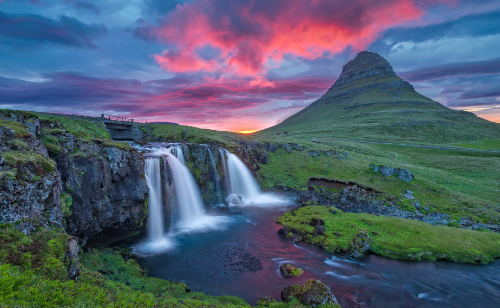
<point>181,133</point>
<point>460,183</point>
<point>395,237</point>
<point>486,144</point>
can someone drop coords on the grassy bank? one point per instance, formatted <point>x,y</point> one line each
<point>182,133</point>
<point>455,182</point>
<point>394,237</point>
<point>33,273</point>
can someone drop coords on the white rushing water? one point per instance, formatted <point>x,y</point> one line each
<point>157,239</point>
<point>179,154</point>
<point>216,177</point>
<point>241,180</point>
<point>155,208</point>
<point>242,183</point>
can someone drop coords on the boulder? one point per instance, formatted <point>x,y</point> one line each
<point>360,245</point>
<point>313,293</point>
<point>234,199</point>
<point>409,195</point>
<point>387,171</point>
<point>283,231</point>
<point>290,270</point>
<point>316,221</point>
<point>289,292</point>
<point>296,238</point>
<point>405,175</point>
<point>319,230</point>
<point>402,174</point>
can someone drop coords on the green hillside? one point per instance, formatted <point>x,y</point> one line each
<point>370,102</point>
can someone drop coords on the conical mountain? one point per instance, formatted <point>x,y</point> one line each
<point>369,101</point>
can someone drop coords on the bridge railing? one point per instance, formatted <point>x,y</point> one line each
<point>111,118</point>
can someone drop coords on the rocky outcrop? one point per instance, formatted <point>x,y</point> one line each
<point>402,174</point>
<point>106,184</point>
<point>100,181</point>
<point>313,293</point>
<point>30,186</point>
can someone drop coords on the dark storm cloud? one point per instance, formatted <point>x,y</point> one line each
<point>33,29</point>
<point>492,91</point>
<point>468,26</point>
<point>84,6</point>
<point>470,68</point>
<point>182,94</point>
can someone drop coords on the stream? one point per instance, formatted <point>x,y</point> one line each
<point>242,257</point>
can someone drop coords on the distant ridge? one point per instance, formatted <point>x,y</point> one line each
<point>370,101</point>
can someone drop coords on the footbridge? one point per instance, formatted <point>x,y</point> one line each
<point>121,128</point>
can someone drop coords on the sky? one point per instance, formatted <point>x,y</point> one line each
<point>238,65</point>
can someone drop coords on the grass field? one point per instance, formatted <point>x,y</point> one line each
<point>463,183</point>
<point>395,237</point>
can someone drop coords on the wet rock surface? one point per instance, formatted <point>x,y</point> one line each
<point>222,262</point>
<point>107,187</point>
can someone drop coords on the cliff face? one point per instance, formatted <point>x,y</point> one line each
<point>105,181</point>
<point>48,176</point>
<point>30,186</point>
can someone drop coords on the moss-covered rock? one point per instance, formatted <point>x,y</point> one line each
<point>290,270</point>
<point>360,244</point>
<point>312,293</point>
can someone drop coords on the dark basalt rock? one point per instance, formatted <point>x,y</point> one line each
<point>402,174</point>
<point>289,292</point>
<point>283,231</point>
<point>30,188</point>
<point>107,186</point>
<point>319,230</point>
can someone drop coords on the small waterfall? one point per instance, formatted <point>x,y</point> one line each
<point>216,176</point>
<point>241,180</point>
<point>155,208</point>
<point>222,153</point>
<point>179,155</point>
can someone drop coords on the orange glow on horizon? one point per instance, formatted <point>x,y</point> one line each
<point>246,132</point>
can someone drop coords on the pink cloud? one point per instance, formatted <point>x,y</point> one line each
<point>249,34</point>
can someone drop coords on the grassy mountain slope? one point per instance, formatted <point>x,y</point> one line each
<point>370,102</point>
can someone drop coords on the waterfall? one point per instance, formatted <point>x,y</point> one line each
<point>179,155</point>
<point>222,153</point>
<point>155,208</point>
<point>241,180</point>
<point>216,176</point>
<point>189,212</point>
<point>183,196</point>
<point>188,203</point>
